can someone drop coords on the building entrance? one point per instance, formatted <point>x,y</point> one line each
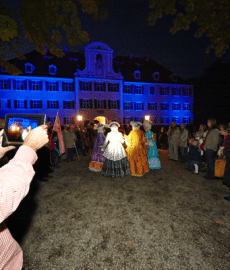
<point>101,119</point>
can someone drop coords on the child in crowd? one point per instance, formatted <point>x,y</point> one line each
<point>194,155</point>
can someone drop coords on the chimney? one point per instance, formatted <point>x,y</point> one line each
<point>130,56</point>
<point>147,57</point>
<point>66,49</point>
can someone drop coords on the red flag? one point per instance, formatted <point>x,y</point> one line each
<point>57,128</point>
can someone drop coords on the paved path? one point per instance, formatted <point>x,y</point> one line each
<point>167,219</point>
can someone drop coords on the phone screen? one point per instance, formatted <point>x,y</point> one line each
<point>19,127</point>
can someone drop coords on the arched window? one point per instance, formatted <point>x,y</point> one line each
<point>29,68</point>
<point>137,74</point>
<point>52,69</point>
<point>99,58</point>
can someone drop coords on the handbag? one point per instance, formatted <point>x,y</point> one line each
<point>220,167</point>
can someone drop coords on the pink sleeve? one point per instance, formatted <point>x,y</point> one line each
<point>15,178</point>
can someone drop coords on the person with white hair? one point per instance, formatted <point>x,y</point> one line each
<point>97,158</point>
<point>116,163</point>
<point>137,150</point>
<point>154,162</point>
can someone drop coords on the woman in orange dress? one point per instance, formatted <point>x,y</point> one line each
<point>137,150</point>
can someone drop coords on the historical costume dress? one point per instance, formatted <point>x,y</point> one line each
<point>154,162</point>
<point>116,162</point>
<point>137,150</point>
<point>97,158</point>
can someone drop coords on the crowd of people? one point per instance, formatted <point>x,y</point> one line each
<point>116,151</point>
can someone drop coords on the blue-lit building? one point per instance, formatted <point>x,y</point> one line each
<point>95,82</point>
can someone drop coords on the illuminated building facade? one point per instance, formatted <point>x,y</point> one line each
<point>93,83</point>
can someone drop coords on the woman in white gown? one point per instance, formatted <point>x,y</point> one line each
<point>116,163</point>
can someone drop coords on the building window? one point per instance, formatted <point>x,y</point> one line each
<point>67,86</point>
<point>113,87</point>
<point>186,120</point>
<point>51,120</point>
<point>20,104</point>
<point>86,103</point>
<point>35,85</point>
<point>52,86</point>
<point>128,106</point>
<point>176,106</point>
<point>152,106</point>
<point>68,105</point>
<point>186,92</point>
<point>36,104</point>
<point>4,84</point>
<point>52,70</point>
<point>127,89</point>
<point>99,104</point>
<point>164,106</point>
<point>174,77</point>
<point>85,86</point>
<point>20,85</point>
<point>138,106</point>
<point>164,120</point>
<point>186,107</point>
<point>164,91</point>
<point>127,120</point>
<point>156,76</point>
<point>152,90</point>
<point>99,87</point>
<point>175,91</point>
<point>29,68</point>
<point>114,104</point>
<point>176,119</point>
<point>52,104</point>
<point>68,121</point>
<point>137,74</point>
<point>138,89</point>
<point>5,103</point>
<point>138,119</point>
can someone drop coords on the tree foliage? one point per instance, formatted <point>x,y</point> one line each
<point>44,22</point>
<point>211,16</point>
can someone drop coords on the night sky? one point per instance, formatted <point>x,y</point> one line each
<point>126,30</point>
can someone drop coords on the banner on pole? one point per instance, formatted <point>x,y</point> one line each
<point>57,128</point>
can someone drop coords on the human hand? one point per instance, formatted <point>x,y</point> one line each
<point>3,150</point>
<point>37,138</point>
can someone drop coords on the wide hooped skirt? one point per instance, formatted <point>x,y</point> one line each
<point>118,168</point>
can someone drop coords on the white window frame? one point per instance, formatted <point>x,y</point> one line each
<point>52,86</point>
<point>164,104</point>
<point>164,91</point>
<point>100,104</point>
<point>137,74</point>
<point>35,85</point>
<point>68,87</point>
<point>85,103</point>
<point>3,84</point>
<point>176,119</point>
<point>176,106</point>
<point>186,92</point>
<point>36,104</point>
<point>186,107</point>
<point>99,87</point>
<point>151,86</point>
<point>52,104</point>
<point>164,120</point>
<point>186,120</point>
<point>152,105</point>
<point>20,104</point>
<point>127,106</point>
<point>113,104</point>
<point>138,89</point>
<point>20,85</point>
<point>31,68</point>
<point>4,103</point>
<point>176,91</point>
<point>52,72</point>
<point>68,120</point>
<point>139,106</point>
<point>113,87</point>
<point>127,89</point>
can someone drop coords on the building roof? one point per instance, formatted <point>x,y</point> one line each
<point>68,64</point>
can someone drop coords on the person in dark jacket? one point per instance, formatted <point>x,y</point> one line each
<point>226,153</point>
<point>194,155</point>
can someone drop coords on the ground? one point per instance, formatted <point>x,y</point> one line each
<point>167,219</point>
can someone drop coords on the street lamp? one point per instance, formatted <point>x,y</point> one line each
<point>147,117</point>
<point>79,117</point>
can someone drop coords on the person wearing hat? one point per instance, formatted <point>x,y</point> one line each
<point>97,157</point>
<point>116,163</point>
<point>154,162</point>
<point>137,150</point>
